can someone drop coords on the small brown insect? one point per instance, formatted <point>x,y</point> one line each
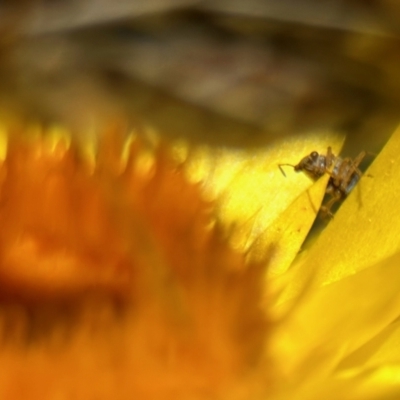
<point>344,174</point>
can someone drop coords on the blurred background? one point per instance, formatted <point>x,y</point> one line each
<point>230,72</point>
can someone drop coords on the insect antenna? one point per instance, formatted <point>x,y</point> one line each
<point>283,165</point>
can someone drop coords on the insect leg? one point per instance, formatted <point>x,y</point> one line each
<point>330,158</point>
<point>326,208</point>
<point>357,161</point>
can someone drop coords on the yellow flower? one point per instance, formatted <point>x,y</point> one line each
<point>336,302</point>
<point>135,269</point>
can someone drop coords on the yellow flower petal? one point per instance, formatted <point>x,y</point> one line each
<point>366,228</point>
<point>287,233</point>
<point>382,349</point>
<point>337,319</point>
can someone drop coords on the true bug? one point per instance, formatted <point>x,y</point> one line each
<point>344,174</point>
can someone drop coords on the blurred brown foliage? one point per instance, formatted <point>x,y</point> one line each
<point>226,72</point>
